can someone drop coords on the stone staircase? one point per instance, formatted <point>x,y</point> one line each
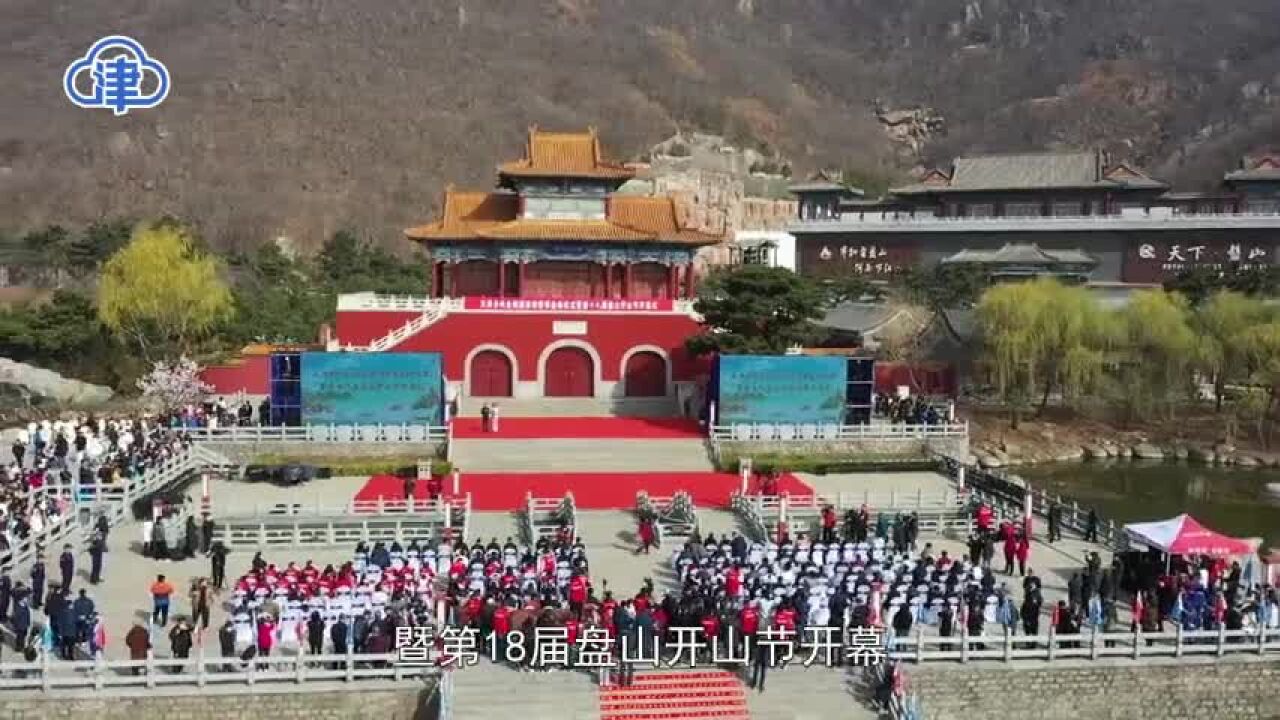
<point>677,695</point>
<point>573,407</point>
<point>573,455</point>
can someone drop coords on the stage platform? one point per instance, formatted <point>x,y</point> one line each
<point>591,490</point>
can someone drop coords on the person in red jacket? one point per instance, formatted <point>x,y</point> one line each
<point>1010,548</point>
<point>784,534</point>
<point>749,623</point>
<point>828,525</point>
<point>985,517</point>
<point>501,626</point>
<point>646,535</point>
<point>710,631</point>
<point>578,588</point>
<point>1023,551</point>
<point>733,582</point>
<point>471,609</point>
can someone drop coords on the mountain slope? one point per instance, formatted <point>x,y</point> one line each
<point>298,117</point>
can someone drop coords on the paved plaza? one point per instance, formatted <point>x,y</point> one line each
<point>609,535</point>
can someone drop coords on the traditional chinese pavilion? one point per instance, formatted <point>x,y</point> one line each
<point>549,285</point>
<point>554,229</point>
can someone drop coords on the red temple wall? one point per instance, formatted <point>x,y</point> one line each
<point>527,335</point>
<point>364,326</point>
<point>251,375</point>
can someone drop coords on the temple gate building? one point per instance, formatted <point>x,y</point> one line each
<point>550,285</point>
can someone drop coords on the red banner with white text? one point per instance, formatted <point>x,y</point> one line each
<point>568,304</point>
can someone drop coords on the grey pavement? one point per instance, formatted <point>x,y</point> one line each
<point>572,455</point>
<point>485,691</point>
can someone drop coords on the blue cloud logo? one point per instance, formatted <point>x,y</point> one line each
<point>118,67</point>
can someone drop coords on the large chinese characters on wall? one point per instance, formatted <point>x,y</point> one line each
<point>840,257</point>
<point>1155,262</point>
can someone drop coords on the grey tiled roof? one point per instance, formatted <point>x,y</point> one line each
<point>858,317</point>
<point>1029,171</point>
<point>1254,174</point>
<point>1022,254</point>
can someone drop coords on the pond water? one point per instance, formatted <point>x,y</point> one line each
<point>1232,501</point>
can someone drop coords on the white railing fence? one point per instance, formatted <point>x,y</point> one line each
<point>203,670</point>
<point>322,434</point>
<point>747,432</point>
<point>1090,644</point>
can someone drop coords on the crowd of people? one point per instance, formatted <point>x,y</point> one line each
<point>908,410</point>
<point>51,459</point>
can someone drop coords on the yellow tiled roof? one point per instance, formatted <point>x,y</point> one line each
<point>556,154</point>
<point>470,215</point>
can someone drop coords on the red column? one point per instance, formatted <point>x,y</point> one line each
<point>520,281</point>
<point>608,280</point>
<point>688,280</point>
<point>502,278</point>
<point>673,280</point>
<point>626,281</point>
<point>437,279</point>
<point>455,280</point>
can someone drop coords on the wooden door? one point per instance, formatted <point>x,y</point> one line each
<point>490,374</point>
<point>569,373</point>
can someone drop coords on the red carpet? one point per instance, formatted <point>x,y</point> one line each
<point>591,491</point>
<point>605,428</point>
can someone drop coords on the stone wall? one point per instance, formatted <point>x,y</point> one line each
<point>1234,689</point>
<point>905,447</point>
<point>216,703</point>
<point>301,451</point>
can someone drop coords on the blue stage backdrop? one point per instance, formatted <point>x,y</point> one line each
<point>372,388</point>
<point>783,389</point>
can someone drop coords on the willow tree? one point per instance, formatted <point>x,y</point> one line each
<point>160,292</point>
<point>1009,322</point>
<point>1159,352</point>
<point>1075,334</point>
<point>1042,337</point>
<point>1220,323</point>
<point>1261,348</point>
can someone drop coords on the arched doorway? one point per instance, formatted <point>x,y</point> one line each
<point>490,374</point>
<point>569,373</point>
<point>645,375</point>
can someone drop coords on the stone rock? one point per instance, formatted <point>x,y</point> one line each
<point>1247,461</point>
<point>1180,452</point>
<point>49,385</point>
<point>1095,452</point>
<point>1200,455</point>
<point>989,461</point>
<point>1273,489</point>
<point>1009,448</point>
<point>1146,451</point>
<point>1224,448</point>
<point>1070,454</point>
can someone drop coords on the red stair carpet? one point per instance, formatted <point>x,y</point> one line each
<point>566,428</point>
<point>676,695</point>
<point>505,491</point>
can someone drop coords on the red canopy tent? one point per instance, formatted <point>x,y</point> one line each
<point>1184,535</point>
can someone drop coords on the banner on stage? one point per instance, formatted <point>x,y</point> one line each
<point>786,389</point>
<point>568,304</point>
<point>372,388</point>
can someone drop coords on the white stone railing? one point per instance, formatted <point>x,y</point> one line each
<point>321,433</point>
<point>203,670</point>
<point>876,222</point>
<point>1089,644</point>
<point>782,432</point>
